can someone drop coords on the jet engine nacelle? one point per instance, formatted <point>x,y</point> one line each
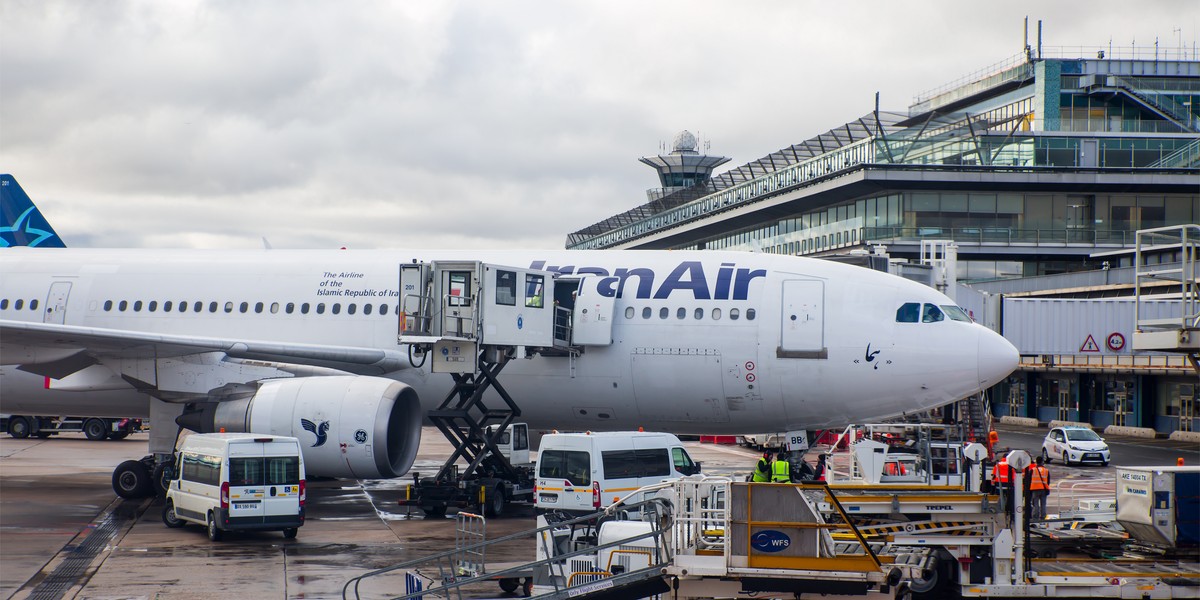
<point>348,426</point>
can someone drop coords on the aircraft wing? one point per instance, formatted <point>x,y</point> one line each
<point>56,351</point>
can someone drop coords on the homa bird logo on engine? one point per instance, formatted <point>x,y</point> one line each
<point>319,430</point>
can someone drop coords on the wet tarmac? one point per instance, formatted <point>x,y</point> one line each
<point>64,534</point>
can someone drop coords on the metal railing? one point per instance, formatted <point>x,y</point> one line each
<point>445,579</point>
<point>1000,235</point>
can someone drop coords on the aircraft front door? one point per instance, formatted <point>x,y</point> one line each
<point>802,332</point>
<point>56,302</point>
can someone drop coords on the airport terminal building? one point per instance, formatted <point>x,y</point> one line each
<point>1040,170</point>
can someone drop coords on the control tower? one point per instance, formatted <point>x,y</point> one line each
<point>683,168</point>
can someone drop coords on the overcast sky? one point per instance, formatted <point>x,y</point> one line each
<point>456,124</point>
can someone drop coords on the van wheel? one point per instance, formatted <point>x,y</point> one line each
<point>131,479</point>
<point>495,502</point>
<point>214,532</point>
<point>1045,456</point>
<point>290,533</point>
<point>120,435</point>
<point>510,584</point>
<point>170,519</point>
<point>18,427</point>
<point>95,430</point>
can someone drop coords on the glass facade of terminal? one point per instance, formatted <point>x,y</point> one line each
<point>1031,167</point>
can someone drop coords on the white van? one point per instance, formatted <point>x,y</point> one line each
<point>584,472</point>
<point>237,481</point>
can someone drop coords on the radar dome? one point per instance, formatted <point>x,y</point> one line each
<point>685,142</point>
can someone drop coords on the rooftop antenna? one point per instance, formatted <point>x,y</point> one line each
<point>1025,44</point>
<point>1039,46</point>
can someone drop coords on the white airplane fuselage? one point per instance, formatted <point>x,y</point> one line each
<point>703,342</point>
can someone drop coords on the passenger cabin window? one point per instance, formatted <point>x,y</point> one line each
<point>107,304</point>
<point>572,465</point>
<point>320,308</point>
<point>750,314</point>
<point>153,306</point>
<point>932,314</point>
<point>121,306</point>
<point>290,308</point>
<point>681,313</point>
<point>664,312</point>
<point>629,312</point>
<point>699,314</point>
<point>228,307</point>
<point>646,312</point>
<point>137,306</point>
<point>733,314</point>
<point>274,307</point>
<point>33,304</point>
<point>243,307</point>
<point>337,308</point>
<point>506,288</point>
<point>383,308</point>
<point>535,291</point>
<point>910,312</point>
<point>168,305</point>
<point>304,308</point>
<point>351,308</point>
<point>258,307</point>
<point>716,314</point>
<point>367,308</point>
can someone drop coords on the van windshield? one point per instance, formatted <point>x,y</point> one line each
<point>272,470</point>
<point>572,465</point>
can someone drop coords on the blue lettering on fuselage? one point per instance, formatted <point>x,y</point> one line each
<point>732,283</point>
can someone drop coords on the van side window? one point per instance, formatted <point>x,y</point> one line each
<point>522,440</point>
<point>201,469</point>
<point>682,461</point>
<point>572,465</point>
<point>623,464</point>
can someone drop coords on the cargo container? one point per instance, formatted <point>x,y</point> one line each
<point>1160,506</point>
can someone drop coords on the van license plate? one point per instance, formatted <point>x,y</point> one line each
<point>548,498</point>
<point>242,505</point>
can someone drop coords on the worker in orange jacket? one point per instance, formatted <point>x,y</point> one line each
<point>1038,478</point>
<point>1002,482</point>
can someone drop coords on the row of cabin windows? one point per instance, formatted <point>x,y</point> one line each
<point>244,307</point>
<point>912,312</point>
<point>18,304</point>
<point>682,313</point>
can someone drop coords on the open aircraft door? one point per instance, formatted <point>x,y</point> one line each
<point>802,332</point>
<point>592,317</point>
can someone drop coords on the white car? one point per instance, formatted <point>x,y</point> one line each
<point>1075,445</point>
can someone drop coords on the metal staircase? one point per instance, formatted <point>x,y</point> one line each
<point>1183,158</point>
<point>1159,104</point>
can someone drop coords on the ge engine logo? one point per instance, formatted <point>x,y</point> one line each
<point>360,436</point>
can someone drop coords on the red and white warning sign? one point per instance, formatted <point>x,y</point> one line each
<point>1089,345</point>
<point>1116,341</point>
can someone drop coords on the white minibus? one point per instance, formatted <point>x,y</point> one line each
<point>585,472</point>
<point>237,482</point>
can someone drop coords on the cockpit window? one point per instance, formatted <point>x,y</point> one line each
<point>909,313</point>
<point>932,314</point>
<point>955,313</point>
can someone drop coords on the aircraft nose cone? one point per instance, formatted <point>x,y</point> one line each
<point>997,357</point>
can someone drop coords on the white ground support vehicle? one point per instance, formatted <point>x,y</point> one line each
<point>237,482</point>
<point>583,472</point>
<point>1075,445</point>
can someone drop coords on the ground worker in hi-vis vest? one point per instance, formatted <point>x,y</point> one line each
<point>781,470</point>
<point>762,470</point>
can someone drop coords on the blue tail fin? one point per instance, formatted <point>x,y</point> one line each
<point>21,224</point>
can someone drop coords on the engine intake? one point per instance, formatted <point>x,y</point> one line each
<point>348,426</point>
